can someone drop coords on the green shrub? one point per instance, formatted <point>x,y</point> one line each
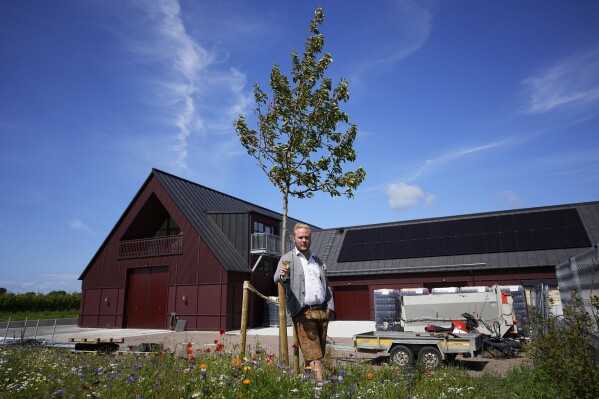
<point>36,302</point>
<point>561,351</point>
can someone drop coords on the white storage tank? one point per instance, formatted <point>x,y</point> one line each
<point>270,316</point>
<point>413,291</point>
<point>481,288</point>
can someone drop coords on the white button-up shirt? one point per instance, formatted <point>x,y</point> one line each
<point>315,293</point>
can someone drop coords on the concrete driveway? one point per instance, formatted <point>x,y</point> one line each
<point>337,329</point>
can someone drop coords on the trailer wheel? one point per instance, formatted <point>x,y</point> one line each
<point>401,356</point>
<point>430,357</point>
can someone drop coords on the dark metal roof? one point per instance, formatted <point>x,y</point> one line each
<point>330,241</point>
<point>197,202</point>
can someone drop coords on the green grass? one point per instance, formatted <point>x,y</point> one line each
<point>15,316</point>
<point>43,372</point>
<point>32,372</point>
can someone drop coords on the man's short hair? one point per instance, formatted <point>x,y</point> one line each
<point>301,226</point>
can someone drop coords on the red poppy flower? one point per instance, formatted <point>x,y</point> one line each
<point>189,344</point>
<point>222,332</point>
<point>220,347</point>
<point>192,357</point>
<point>207,350</point>
<point>294,346</point>
<point>86,387</point>
<point>215,341</point>
<point>189,351</point>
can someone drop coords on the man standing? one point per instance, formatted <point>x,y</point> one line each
<point>309,297</point>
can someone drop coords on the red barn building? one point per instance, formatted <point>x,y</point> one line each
<point>183,249</point>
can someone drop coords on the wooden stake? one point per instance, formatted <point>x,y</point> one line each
<point>244,316</point>
<point>296,367</point>
<point>283,348</point>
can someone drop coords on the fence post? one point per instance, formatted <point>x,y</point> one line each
<point>6,332</point>
<point>53,331</point>
<point>575,276</point>
<point>244,315</point>
<point>36,328</point>
<point>24,328</point>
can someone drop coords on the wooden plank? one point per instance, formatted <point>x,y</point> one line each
<point>97,340</point>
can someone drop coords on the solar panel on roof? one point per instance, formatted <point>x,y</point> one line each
<point>541,237</point>
<point>461,227</point>
<point>447,246</point>
<point>420,231</point>
<point>489,225</point>
<point>503,233</point>
<point>461,245</point>
<point>577,235</point>
<point>477,243</point>
<point>408,232</point>
<point>538,220</point>
<point>476,226</point>
<point>435,230</point>
<point>525,240</point>
<point>448,228</point>
<point>505,223</point>
<point>492,242</point>
<point>434,246</point>
<point>509,243</point>
<point>521,222</point>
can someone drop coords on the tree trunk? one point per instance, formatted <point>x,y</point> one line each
<point>283,345</point>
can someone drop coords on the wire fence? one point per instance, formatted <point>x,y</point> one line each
<point>579,276</point>
<point>42,329</point>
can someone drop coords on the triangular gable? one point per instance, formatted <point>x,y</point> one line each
<point>195,201</point>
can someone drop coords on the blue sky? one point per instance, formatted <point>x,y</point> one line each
<point>462,107</point>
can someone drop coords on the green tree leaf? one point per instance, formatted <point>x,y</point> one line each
<point>299,142</point>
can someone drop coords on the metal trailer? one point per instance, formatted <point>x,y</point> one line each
<point>430,349</point>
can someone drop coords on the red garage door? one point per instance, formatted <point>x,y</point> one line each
<point>351,302</point>
<point>147,297</point>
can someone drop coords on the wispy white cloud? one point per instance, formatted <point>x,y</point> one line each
<point>413,25</point>
<point>571,82</point>
<point>577,161</point>
<point>196,93</point>
<point>77,224</point>
<point>507,198</point>
<point>403,196</point>
<point>432,164</point>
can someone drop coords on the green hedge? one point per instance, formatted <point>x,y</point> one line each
<point>35,302</point>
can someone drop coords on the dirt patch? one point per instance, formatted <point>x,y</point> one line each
<point>495,366</point>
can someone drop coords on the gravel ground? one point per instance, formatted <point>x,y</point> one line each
<point>342,349</point>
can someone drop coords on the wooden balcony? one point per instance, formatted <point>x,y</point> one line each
<point>147,247</point>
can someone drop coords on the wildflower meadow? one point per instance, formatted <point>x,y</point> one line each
<point>217,370</point>
<point>31,371</point>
